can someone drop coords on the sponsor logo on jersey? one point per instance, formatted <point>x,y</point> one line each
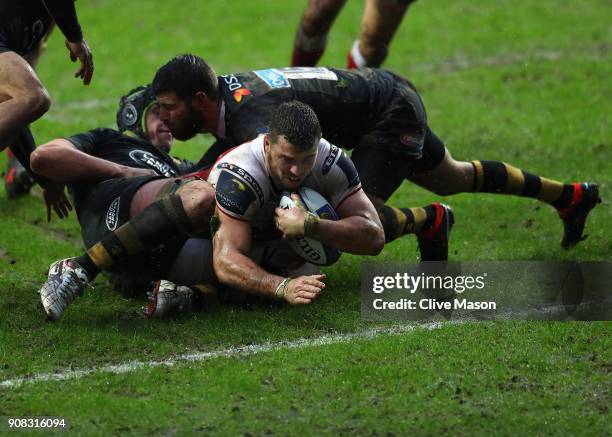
<point>232,81</point>
<point>239,94</point>
<point>112,214</point>
<point>234,185</point>
<point>234,85</point>
<point>347,166</point>
<point>273,78</point>
<point>233,194</point>
<point>244,176</point>
<point>329,161</point>
<point>150,160</point>
<point>309,73</point>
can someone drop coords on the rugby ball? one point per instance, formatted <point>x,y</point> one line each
<point>309,249</point>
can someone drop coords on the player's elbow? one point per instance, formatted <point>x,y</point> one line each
<point>198,198</point>
<point>375,238</point>
<point>222,269</point>
<point>378,240</point>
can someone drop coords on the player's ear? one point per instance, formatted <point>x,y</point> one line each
<point>199,100</point>
<point>266,143</point>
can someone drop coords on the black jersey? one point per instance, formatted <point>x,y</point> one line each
<point>112,146</point>
<point>347,102</point>
<point>23,23</point>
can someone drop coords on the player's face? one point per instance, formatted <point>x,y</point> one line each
<point>288,166</point>
<point>179,115</point>
<point>159,134</point>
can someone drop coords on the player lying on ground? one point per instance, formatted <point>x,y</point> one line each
<point>380,20</point>
<point>128,198</point>
<point>377,114</point>
<point>24,25</point>
<point>248,182</point>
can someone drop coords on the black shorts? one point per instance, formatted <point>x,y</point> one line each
<point>399,127</point>
<point>107,206</point>
<point>382,171</point>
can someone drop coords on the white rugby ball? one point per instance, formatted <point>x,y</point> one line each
<point>311,250</point>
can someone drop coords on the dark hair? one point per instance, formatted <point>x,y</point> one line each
<point>133,108</point>
<point>185,75</point>
<point>298,123</point>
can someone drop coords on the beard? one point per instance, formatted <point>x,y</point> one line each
<point>188,127</point>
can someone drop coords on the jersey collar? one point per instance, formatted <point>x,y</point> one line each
<point>221,126</point>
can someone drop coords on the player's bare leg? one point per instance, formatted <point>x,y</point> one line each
<point>311,36</point>
<point>573,201</point>
<point>381,19</point>
<point>17,180</point>
<point>23,98</point>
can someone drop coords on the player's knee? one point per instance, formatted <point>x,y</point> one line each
<point>198,199</point>
<point>443,189</point>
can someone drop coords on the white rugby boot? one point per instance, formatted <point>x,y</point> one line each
<point>66,281</point>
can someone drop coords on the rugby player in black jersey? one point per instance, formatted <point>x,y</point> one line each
<point>24,26</point>
<point>377,114</point>
<point>129,200</point>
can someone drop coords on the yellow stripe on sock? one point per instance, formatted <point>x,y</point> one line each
<point>515,181</point>
<point>550,190</point>
<point>100,256</point>
<point>420,216</point>
<point>479,175</point>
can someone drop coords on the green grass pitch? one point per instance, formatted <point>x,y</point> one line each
<point>524,82</point>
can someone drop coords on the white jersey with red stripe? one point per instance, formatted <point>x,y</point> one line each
<point>245,191</point>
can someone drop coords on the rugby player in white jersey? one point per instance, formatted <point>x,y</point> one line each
<point>249,181</point>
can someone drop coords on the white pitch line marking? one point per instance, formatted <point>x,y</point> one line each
<point>246,350</point>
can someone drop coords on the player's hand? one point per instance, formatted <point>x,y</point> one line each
<point>291,221</point>
<point>132,172</point>
<point>304,289</point>
<point>55,198</point>
<point>82,52</point>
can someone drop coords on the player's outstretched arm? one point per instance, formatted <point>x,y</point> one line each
<point>64,14</point>
<point>233,267</point>
<point>60,160</point>
<point>358,231</point>
<point>81,51</point>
